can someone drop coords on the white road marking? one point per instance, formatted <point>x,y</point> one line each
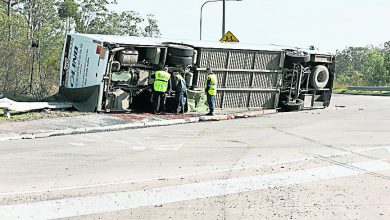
<point>185,175</point>
<point>78,144</point>
<point>387,148</point>
<point>139,148</point>
<point>111,202</point>
<point>172,147</point>
<point>180,135</point>
<point>122,142</point>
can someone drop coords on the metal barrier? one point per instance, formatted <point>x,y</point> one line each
<point>369,88</point>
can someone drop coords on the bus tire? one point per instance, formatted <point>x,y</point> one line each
<point>295,105</point>
<point>294,57</point>
<point>319,77</point>
<point>180,50</point>
<point>178,60</point>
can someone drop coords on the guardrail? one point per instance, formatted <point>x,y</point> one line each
<point>369,88</point>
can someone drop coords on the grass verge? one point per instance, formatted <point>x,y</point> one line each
<point>39,115</point>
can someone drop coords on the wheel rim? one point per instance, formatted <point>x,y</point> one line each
<point>322,77</point>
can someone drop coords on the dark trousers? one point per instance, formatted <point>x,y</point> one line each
<point>211,102</point>
<point>180,101</point>
<point>159,99</point>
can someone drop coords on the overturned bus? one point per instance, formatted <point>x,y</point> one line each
<point>113,73</point>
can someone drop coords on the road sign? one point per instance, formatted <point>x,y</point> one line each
<point>229,37</point>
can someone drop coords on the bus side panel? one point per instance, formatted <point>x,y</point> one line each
<point>84,64</point>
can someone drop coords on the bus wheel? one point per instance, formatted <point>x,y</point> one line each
<point>180,50</point>
<point>177,60</point>
<point>319,77</point>
<point>295,105</point>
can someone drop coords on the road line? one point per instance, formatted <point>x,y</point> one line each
<point>111,202</point>
<point>78,144</point>
<point>168,147</point>
<point>139,148</point>
<point>183,175</point>
<point>122,142</point>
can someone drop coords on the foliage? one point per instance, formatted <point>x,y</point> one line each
<point>151,30</point>
<point>359,66</point>
<point>31,51</point>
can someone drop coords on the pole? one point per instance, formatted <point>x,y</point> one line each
<point>9,21</point>
<point>200,25</point>
<point>32,73</point>
<point>223,17</point>
<point>201,12</point>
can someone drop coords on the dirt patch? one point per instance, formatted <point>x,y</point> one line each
<point>134,116</point>
<point>45,114</point>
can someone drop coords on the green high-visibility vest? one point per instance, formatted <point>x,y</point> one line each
<point>161,81</point>
<point>214,82</point>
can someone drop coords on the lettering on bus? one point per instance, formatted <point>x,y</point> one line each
<point>74,64</point>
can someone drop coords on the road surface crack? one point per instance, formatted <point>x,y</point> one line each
<point>336,148</point>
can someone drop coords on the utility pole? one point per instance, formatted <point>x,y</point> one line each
<point>9,14</point>
<point>223,17</point>
<point>32,27</point>
<point>9,21</point>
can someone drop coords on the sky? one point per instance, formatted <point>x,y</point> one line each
<point>329,25</point>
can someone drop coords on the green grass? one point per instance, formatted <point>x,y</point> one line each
<point>360,92</point>
<point>341,88</point>
<point>38,115</point>
<point>197,102</point>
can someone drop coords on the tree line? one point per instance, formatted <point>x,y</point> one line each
<point>363,66</point>
<point>32,34</point>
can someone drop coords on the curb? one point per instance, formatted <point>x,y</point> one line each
<point>121,127</point>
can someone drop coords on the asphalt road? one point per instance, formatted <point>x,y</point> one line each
<point>323,164</point>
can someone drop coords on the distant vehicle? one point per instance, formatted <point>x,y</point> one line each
<point>113,73</point>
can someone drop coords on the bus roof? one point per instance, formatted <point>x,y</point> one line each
<point>147,41</point>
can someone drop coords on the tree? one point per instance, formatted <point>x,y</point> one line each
<point>67,11</point>
<point>31,58</point>
<point>375,69</point>
<point>89,12</point>
<point>151,30</point>
<point>363,66</point>
<point>125,23</point>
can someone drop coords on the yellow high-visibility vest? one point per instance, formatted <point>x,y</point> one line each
<point>214,81</point>
<point>161,81</point>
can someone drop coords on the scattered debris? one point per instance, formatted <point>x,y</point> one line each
<point>9,105</point>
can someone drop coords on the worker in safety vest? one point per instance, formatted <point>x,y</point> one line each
<point>162,84</point>
<point>180,92</point>
<point>211,89</point>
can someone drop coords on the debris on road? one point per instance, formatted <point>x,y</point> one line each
<point>9,105</point>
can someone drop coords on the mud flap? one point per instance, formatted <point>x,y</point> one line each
<point>83,99</point>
